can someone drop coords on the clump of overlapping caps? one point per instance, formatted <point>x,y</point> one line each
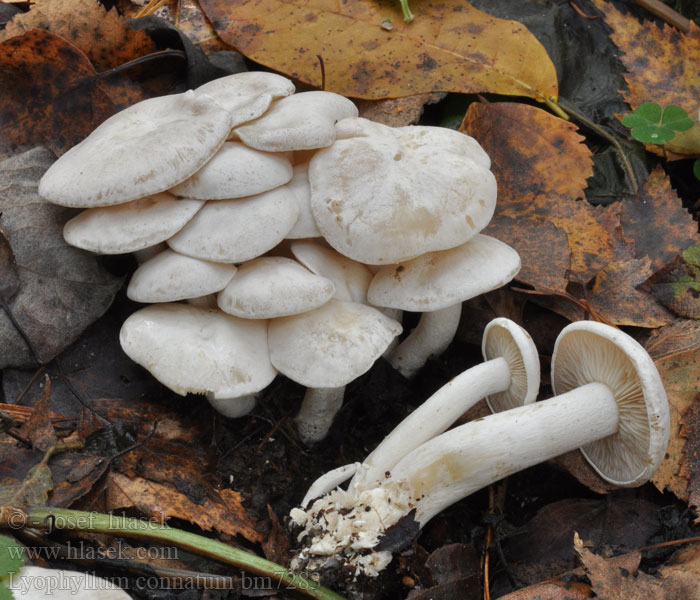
<point>610,402</point>
<point>380,220</point>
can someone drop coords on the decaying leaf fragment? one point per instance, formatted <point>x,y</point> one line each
<point>677,285</point>
<point>451,47</point>
<point>675,349</point>
<point>61,289</point>
<point>618,578</point>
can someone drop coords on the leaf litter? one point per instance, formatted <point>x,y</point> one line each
<point>631,263</point>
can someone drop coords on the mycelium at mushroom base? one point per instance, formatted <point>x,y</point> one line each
<point>613,407</point>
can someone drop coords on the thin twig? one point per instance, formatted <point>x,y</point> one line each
<point>666,13</point>
<point>572,110</point>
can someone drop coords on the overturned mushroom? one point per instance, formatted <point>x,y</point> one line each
<point>613,407</point>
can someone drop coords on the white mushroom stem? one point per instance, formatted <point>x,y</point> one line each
<point>233,407</point>
<point>431,337</point>
<point>318,409</point>
<point>329,481</point>
<point>433,417</point>
<point>472,456</point>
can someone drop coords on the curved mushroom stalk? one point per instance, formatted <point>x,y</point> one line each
<point>318,409</point>
<point>613,407</point>
<point>431,337</point>
<point>436,284</point>
<point>510,376</point>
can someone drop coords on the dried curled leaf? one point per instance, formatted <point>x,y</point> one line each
<point>61,289</point>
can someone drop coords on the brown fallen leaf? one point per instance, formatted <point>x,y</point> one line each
<point>49,94</point>
<point>677,284</point>
<point>62,289</point>
<point>100,34</point>
<point>543,550</point>
<point>221,511</point>
<point>618,578</point>
<point>39,429</point>
<point>690,462</point>
<point>396,112</point>
<point>675,349</point>
<point>9,282</point>
<point>541,167</point>
<point>454,569</point>
<point>556,589</point>
<point>662,66</point>
<point>450,47</point>
<point>656,222</point>
<point>614,295</point>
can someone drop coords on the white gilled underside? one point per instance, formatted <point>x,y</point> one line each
<point>613,407</point>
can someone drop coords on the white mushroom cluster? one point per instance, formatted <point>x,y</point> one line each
<point>610,402</point>
<point>279,232</point>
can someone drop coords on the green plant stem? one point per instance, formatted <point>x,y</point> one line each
<point>407,14</point>
<point>44,517</point>
<point>605,135</point>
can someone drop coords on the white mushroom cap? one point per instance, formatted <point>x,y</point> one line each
<point>388,195</point>
<point>589,352</point>
<point>350,277</point>
<point>234,231</point>
<point>299,186</point>
<point>300,122</point>
<point>236,171</point>
<point>132,226</point>
<point>170,276</point>
<point>331,345</point>
<point>269,287</point>
<point>142,150</point>
<point>199,351</point>
<point>247,95</point>
<point>437,280</point>
<point>504,338</point>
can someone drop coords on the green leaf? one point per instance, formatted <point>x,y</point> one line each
<point>675,118</point>
<point>12,556</point>
<point>696,169</point>
<point>5,592</point>
<point>651,125</point>
<point>692,255</point>
<point>653,134</point>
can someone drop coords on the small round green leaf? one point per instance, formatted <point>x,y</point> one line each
<point>650,111</point>
<point>675,118</point>
<point>696,169</point>
<point>653,134</point>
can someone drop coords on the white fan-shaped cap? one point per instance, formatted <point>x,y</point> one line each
<point>505,339</point>
<point>234,231</point>
<point>303,121</point>
<point>270,286</point>
<point>437,280</point>
<point>132,226</point>
<point>247,95</point>
<point>590,352</point>
<point>170,276</point>
<point>199,351</point>
<point>142,150</point>
<point>381,195</point>
<point>350,277</point>
<point>236,171</point>
<point>299,187</point>
<point>331,345</point>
